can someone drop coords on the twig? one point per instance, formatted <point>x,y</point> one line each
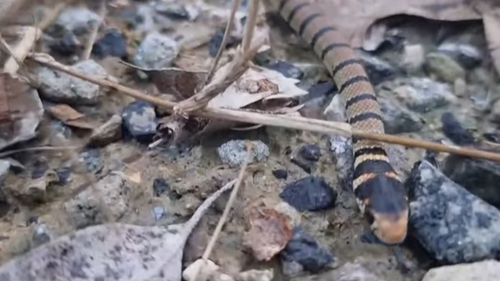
<point>292,122</point>
<point>229,26</point>
<point>50,18</point>
<point>40,148</point>
<point>30,36</point>
<point>93,35</point>
<point>253,11</point>
<point>224,77</point>
<point>225,213</point>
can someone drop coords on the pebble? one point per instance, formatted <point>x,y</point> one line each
<point>234,152</point>
<point>398,119</point>
<point>173,10</point>
<point>453,225</point>
<point>156,51</point>
<point>162,187</point>
<point>423,94</point>
<point>159,213</point>
<point>113,44</point>
<point>287,69</point>
<point>309,194</point>
<point>444,67</point>
<point>413,58</point>
<point>92,160</point>
<point>40,236</point>
<point>67,45</point>
<point>455,131</point>
<point>480,177</point>
<point>108,132</point>
<point>303,253</point>
<point>377,69</point>
<point>111,201</point>
<point>343,159</point>
<point>216,41</point>
<point>78,20</point>
<point>56,86</point>
<point>280,174</point>
<point>487,270</point>
<point>4,170</point>
<point>468,56</point>
<point>254,275</point>
<point>310,152</point>
<point>139,118</point>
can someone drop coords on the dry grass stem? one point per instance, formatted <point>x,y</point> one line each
<point>229,26</point>
<point>292,122</point>
<point>40,148</point>
<point>225,213</point>
<point>19,53</point>
<point>93,35</point>
<point>253,11</point>
<point>50,18</point>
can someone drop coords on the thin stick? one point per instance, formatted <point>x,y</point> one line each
<point>40,148</point>
<point>225,213</point>
<point>29,39</point>
<point>229,26</point>
<point>253,11</point>
<point>291,122</point>
<point>93,35</point>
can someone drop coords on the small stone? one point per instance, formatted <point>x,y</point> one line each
<point>304,252</point>
<point>203,269</point>
<point>310,152</point>
<point>40,236</point>
<point>92,160</point>
<point>378,70</point>
<point>288,70</point>
<point>139,118</point>
<point>487,270</point>
<point>305,165</point>
<point>216,41</point>
<point>343,159</point>
<point>173,10</point>
<point>113,44</point>
<point>398,119</point>
<point>444,67</point>
<point>413,58</point>
<point>467,55</point>
<point>455,131</point>
<point>86,208</point>
<point>56,86</point>
<point>460,88</point>
<point>4,170</point>
<point>64,175</point>
<point>108,132</point>
<point>68,45</point>
<point>156,51</point>
<point>423,94</point>
<point>234,152</point>
<point>480,177</point>
<point>159,213</point>
<point>453,225</point>
<point>280,174</point>
<point>255,275</point>
<point>309,194</point>
<point>162,187</point>
<point>78,20</point>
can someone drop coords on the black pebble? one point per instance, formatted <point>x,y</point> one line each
<point>216,41</point>
<point>310,152</point>
<point>303,164</point>
<point>455,131</point>
<point>305,250</point>
<point>139,118</point>
<point>112,44</point>
<point>287,69</point>
<point>66,46</point>
<point>92,160</point>
<point>309,194</point>
<point>280,174</point>
<point>39,169</point>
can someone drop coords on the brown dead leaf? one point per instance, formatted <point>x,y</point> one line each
<point>70,116</point>
<point>269,232</point>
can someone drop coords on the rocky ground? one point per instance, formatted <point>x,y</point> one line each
<point>435,82</point>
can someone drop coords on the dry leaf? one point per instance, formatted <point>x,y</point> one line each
<point>269,232</point>
<point>70,116</point>
<point>111,252</point>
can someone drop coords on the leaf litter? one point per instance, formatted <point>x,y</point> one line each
<point>110,252</point>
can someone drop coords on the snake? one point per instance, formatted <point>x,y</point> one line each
<point>379,192</point>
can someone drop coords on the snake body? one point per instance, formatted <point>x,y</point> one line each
<point>379,192</point>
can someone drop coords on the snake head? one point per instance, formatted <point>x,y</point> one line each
<point>390,228</point>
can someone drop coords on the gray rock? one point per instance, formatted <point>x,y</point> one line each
<point>488,270</point>
<point>444,67</point>
<point>78,20</point>
<point>4,170</point>
<point>347,272</point>
<point>468,56</point>
<point>40,236</point>
<point>480,177</point>
<point>156,51</point>
<point>139,118</point>
<point>423,94</point>
<point>413,58</point>
<point>108,199</point>
<point>233,153</point>
<point>56,86</point>
<point>343,159</point>
<point>398,119</point>
<point>108,132</point>
<point>451,223</point>
<point>378,70</point>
